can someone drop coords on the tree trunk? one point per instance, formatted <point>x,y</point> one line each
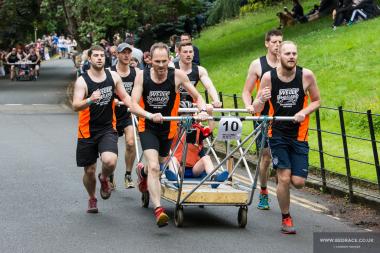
<point>72,23</point>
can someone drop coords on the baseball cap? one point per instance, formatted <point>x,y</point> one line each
<point>123,46</point>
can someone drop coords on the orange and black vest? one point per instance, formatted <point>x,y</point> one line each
<point>265,67</point>
<point>286,100</point>
<point>128,83</point>
<point>99,117</point>
<point>194,79</point>
<point>160,98</point>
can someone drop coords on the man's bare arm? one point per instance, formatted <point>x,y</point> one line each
<point>209,86</point>
<point>249,85</point>
<point>311,88</point>
<point>80,92</point>
<point>264,93</point>
<point>181,78</point>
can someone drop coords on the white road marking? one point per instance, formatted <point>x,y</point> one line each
<point>294,199</point>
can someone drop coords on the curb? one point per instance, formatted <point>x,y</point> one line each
<point>315,184</point>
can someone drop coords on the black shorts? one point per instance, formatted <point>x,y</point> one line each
<point>122,123</point>
<point>88,149</point>
<point>153,140</point>
<point>290,154</point>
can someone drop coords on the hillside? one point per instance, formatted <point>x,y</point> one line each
<point>346,63</point>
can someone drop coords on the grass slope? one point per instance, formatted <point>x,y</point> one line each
<point>346,63</point>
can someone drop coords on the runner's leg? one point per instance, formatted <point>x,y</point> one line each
<point>89,179</point>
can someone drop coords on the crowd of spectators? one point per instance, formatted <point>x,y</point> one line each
<point>44,48</point>
<point>343,12</point>
<point>141,57</point>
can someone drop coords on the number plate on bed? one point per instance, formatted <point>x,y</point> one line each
<point>229,129</point>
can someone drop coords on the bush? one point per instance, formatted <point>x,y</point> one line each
<point>222,10</point>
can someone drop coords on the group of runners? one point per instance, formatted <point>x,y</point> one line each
<point>29,57</point>
<point>155,92</point>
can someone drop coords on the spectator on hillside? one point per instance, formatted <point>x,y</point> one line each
<point>288,18</point>
<point>364,10</point>
<point>325,8</point>
<point>342,13</point>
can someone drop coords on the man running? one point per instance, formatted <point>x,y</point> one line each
<point>195,74</point>
<point>185,37</point>
<point>288,89</point>
<point>35,59</point>
<point>94,100</point>
<point>256,70</point>
<point>158,89</point>
<point>12,58</point>
<point>123,117</point>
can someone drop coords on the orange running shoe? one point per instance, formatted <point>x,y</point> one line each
<point>287,226</point>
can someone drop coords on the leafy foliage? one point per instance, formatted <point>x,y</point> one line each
<point>17,20</point>
<point>222,10</point>
<point>87,20</point>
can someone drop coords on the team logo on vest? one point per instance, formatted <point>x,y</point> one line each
<point>288,97</point>
<point>106,94</point>
<point>128,87</point>
<point>158,99</point>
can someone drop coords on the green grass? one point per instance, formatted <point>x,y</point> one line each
<point>346,63</point>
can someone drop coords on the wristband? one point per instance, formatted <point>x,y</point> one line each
<point>148,115</point>
<point>89,101</point>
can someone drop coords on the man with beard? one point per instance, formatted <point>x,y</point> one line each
<point>195,73</point>
<point>288,89</point>
<point>256,70</point>
<point>123,117</point>
<point>158,89</point>
<point>94,100</point>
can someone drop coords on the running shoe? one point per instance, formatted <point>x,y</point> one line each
<point>105,189</point>
<point>287,226</point>
<point>112,182</point>
<point>92,207</point>
<point>263,201</point>
<point>128,182</point>
<point>141,180</point>
<point>221,177</point>
<point>161,217</point>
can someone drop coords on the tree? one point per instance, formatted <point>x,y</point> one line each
<point>18,18</point>
<point>222,10</point>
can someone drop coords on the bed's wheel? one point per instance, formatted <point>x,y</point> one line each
<point>145,199</point>
<point>178,216</point>
<point>242,216</point>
